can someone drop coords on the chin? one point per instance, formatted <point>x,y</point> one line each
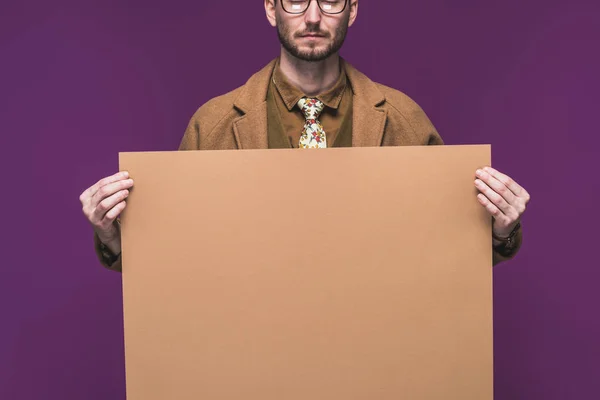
<point>313,52</point>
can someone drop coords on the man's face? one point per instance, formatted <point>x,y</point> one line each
<point>313,35</point>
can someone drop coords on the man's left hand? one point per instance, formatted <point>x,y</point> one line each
<point>502,197</point>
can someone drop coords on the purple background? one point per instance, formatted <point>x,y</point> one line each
<point>81,81</point>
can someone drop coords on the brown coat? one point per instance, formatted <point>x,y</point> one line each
<point>381,116</point>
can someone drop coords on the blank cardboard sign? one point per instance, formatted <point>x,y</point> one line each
<point>336,274</point>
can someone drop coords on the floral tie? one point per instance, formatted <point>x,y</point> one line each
<point>313,135</point>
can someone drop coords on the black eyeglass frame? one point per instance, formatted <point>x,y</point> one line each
<point>320,8</point>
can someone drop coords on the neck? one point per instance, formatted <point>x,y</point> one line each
<point>311,77</point>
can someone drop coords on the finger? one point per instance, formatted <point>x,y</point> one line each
<point>496,185</point>
<point>510,183</point>
<point>92,190</point>
<point>110,189</point>
<point>108,204</point>
<point>492,209</point>
<point>495,198</point>
<point>113,213</point>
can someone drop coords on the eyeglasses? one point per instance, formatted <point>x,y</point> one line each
<point>326,6</point>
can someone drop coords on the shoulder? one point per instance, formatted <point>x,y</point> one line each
<point>404,111</point>
<point>399,106</point>
<point>207,118</point>
<point>404,114</point>
<point>237,101</point>
<point>214,110</point>
<point>399,102</point>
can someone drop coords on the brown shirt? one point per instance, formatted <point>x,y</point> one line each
<point>286,120</point>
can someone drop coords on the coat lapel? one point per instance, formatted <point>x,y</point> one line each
<point>250,129</point>
<point>368,121</point>
<point>368,124</point>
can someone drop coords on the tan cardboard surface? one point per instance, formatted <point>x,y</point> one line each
<point>338,274</point>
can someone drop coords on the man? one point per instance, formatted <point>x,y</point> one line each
<point>309,97</point>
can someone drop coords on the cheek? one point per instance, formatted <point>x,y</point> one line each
<point>286,26</point>
<point>332,27</point>
<point>286,19</point>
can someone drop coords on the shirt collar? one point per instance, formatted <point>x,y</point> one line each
<point>290,94</point>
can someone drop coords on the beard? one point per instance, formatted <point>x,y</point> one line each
<point>314,54</point>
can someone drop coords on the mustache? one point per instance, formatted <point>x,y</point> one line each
<point>312,32</point>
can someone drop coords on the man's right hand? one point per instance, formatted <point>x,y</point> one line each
<point>102,203</point>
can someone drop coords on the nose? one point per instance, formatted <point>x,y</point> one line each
<point>313,14</point>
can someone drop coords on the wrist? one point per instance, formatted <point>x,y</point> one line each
<point>506,241</point>
<point>113,246</point>
<point>111,241</point>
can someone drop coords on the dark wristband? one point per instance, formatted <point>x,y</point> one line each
<point>108,255</point>
<point>508,241</point>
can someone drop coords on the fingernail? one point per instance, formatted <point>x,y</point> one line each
<point>478,172</point>
<point>125,174</point>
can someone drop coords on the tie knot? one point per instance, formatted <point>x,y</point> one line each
<point>311,107</point>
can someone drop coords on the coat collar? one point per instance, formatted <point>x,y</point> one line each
<point>368,121</point>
